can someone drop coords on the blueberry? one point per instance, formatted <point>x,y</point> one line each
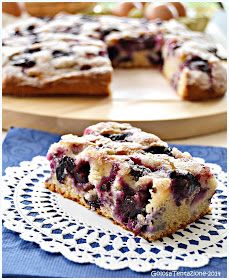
<point>46,18</point>
<point>106,182</point>
<point>105,186</point>
<point>88,18</point>
<point>85,67</point>
<point>131,203</point>
<point>59,53</point>
<point>70,165</point>
<point>159,150</point>
<point>107,31</point>
<point>126,207</point>
<point>129,208</point>
<point>155,58</point>
<point>212,50</point>
<point>200,65</point>
<point>183,186</point>
<point>196,63</point>
<point>94,204</point>
<point>72,29</point>
<point>113,52</point>
<point>138,171</point>
<point>34,39</point>
<point>174,45</point>
<point>33,50</point>
<point>102,53</point>
<point>75,30</point>
<point>127,190</point>
<point>66,165</point>
<point>144,228</point>
<point>126,43</point>
<point>149,42</point>
<point>143,195</point>
<point>60,173</point>
<point>81,172</point>
<point>118,137</point>
<point>24,62</point>
<point>31,28</point>
<point>158,22</point>
<point>144,42</point>
<point>17,33</point>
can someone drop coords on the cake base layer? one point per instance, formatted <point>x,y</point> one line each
<point>86,85</point>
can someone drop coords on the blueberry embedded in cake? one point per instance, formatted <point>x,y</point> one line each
<point>131,177</point>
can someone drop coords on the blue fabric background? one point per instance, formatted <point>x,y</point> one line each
<point>26,259</point>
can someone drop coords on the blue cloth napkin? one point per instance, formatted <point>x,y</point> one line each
<point>26,259</point>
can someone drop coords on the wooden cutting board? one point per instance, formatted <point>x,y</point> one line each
<point>141,97</point>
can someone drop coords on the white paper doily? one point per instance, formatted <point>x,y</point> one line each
<point>61,225</point>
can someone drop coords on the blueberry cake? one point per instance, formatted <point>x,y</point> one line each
<point>189,60</point>
<point>131,177</point>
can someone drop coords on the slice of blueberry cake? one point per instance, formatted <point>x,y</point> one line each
<point>57,64</point>
<point>132,177</point>
<point>194,68</point>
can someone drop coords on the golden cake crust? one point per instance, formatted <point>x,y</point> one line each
<point>95,84</point>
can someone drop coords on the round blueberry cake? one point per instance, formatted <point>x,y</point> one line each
<point>131,177</point>
<point>33,51</point>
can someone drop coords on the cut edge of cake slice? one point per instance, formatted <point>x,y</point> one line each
<point>193,69</point>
